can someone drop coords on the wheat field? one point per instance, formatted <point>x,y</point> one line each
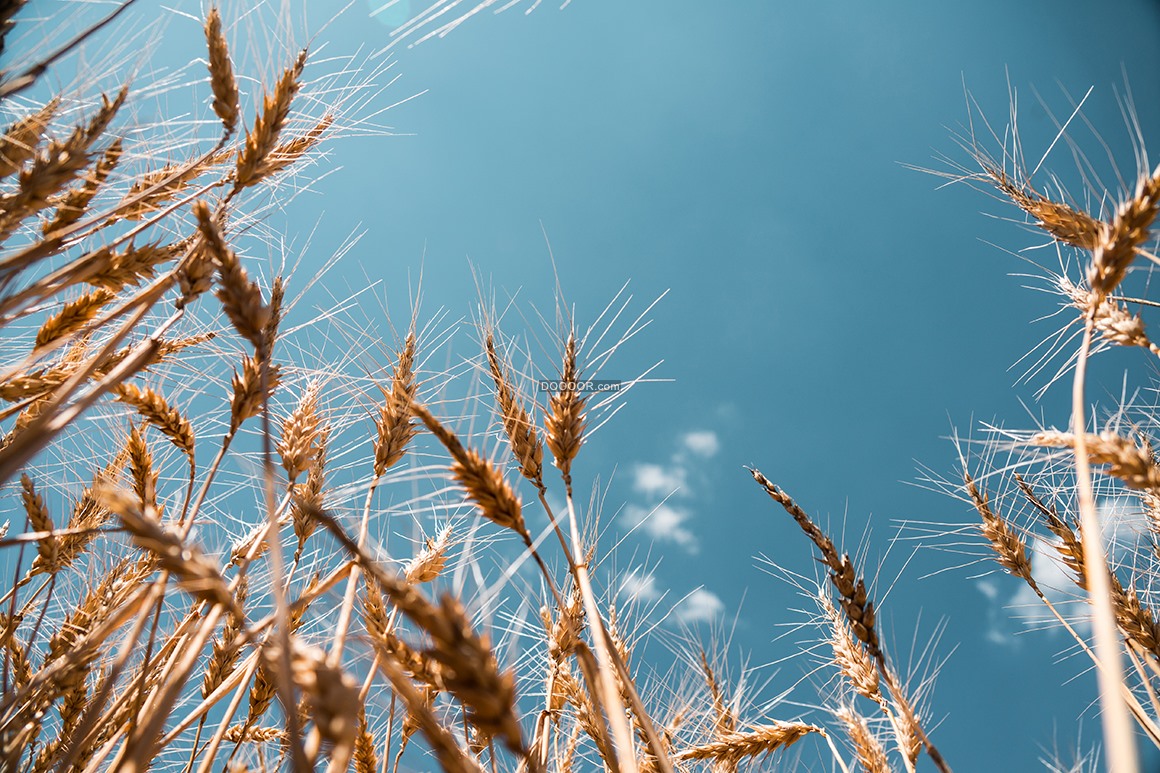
<point>232,547</point>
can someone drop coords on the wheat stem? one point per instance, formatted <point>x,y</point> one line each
<point>1120,748</point>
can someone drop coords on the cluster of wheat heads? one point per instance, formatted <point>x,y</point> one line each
<point>209,559</point>
<point>192,588</point>
<point>1078,506</point>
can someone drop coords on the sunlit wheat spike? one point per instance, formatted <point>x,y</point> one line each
<point>906,731</point>
<point>152,190</point>
<point>73,316</point>
<point>50,172</point>
<point>1069,546</point>
<point>299,442</point>
<point>470,672</point>
<point>517,424</point>
<point>73,205</point>
<point>262,692</point>
<point>375,615</point>
<point>38,382</point>
<point>308,496</point>
<point>292,151</point>
<point>221,71</point>
<point>1128,230</point>
<point>723,719</point>
<point>47,548</point>
<point>226,647</point>
<point>450,757</point>
<point>195,276</point>
<point>365,758</point>
<point>1008,546</point>
<point>104,115</point>
<point>1067,224</point>
<point>734,748</point>
<point>90,513</point>
<point>97,602</point>
<point>1111,318</point>
<point>240,733</point>
<point>331,699</point>
<point>868,749</point>
<point>564,631</point>
<point>197,575</point>
<point>270,334</point>
<point>485,485</point>
<point>564,421</point>
<point>1134,465</point>
<point>253,160</point>
<point>1137,621</point>
<point>851,588</point>
<point>588,718</point>
<point>428,563</point>
<point>18,663</point>
<point>155,410</point>
<point>394,427</point>
<point>115,270</point>
<point>19,141</point>
<point>419,665</point>
<point>850,655</point>
<point>468,666</point>
<point>169,347</point>
<point>55,167</point>
<point>241,298</point>
<point>141,469</point>
<point>248,396</point>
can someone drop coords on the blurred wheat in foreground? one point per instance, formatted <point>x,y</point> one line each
<point>209,548</point>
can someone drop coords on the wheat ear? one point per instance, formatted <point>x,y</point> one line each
<point>564,422</point>
<point>485,485</point>
<point>221,73</point>
<point>733,748</point>
<point>253,163</point>
<point>517,424</point>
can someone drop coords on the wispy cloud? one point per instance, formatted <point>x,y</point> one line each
<point>663,510</point>
<point>663,522</point>
<point>638,585</point>
<point>655,480</point>
<point>700,606</point>
<point>702,442</point>
<point>1015,604</point>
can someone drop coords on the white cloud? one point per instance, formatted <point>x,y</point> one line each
<point>639,586</point>
<point>1000,638</point>
<point>1123,521</point>
<point>655,480</point>
<point>1124,526</point>
<point>702,442</point>
<point>663,522</point>
<point>1016,604</point>
<point>657,485</point>
<point>700,606</point>
<point>988,587</point>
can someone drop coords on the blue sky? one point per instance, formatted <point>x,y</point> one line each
<point>829,314</point>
